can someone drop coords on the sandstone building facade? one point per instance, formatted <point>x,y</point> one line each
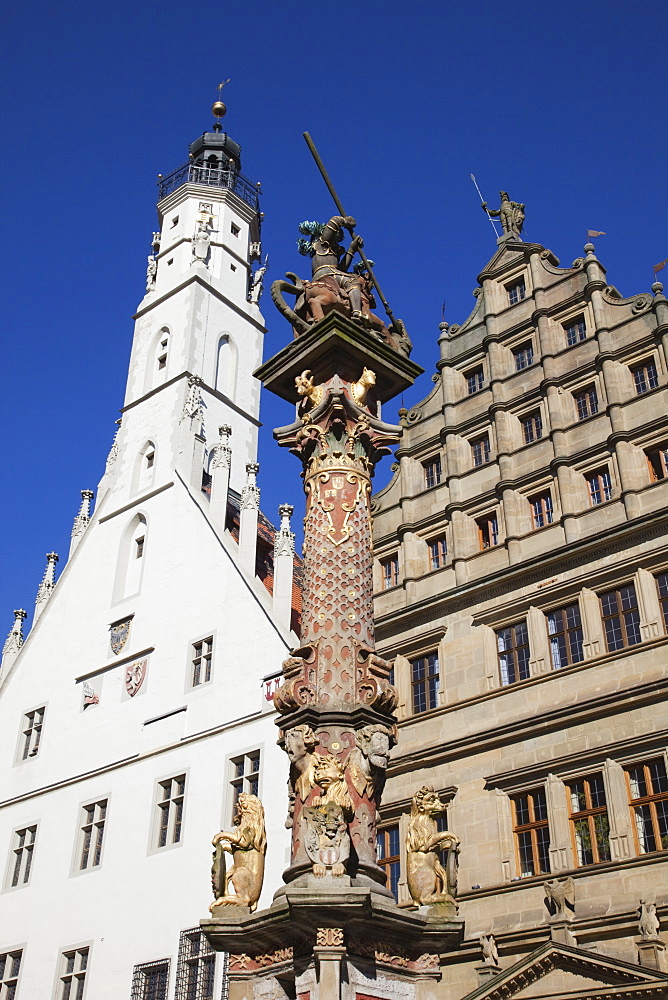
<point>522,584</point>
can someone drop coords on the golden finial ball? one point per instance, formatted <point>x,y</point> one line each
<point>219,109</point>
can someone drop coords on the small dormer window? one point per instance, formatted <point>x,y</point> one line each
<point>516,292</point>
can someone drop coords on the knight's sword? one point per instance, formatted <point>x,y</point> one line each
<point>330,188</point>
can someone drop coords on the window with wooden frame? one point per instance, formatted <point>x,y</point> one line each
<point>196,967</point>
<point>488,531</point>
<point>389,569</point>
<point>150,981</point>
<point>10,966</point>
<point>575,330</point>
<point>480,450</point>
<point>662,589</point>
<point>531,832</point>
<point>32,732</point>
<point>586,402</point>
<point>72,979</point>
<point>621,617</point>
<point>22,857</point>
<point>532,426</point>
<point>171,794</point>
<point>648,799</point>
<point>523,355</point>
<point>245,776</point>
<point>516,291</point>
<point>657,460</point>
<point>438,552</point>
<point>599,485</point>
<point>93,820</point>
<point>201,659</point>
<point>512,645</point>
<point>475,380</point>
<point>542,512</point>
<point>425,682</point>
<point>564,628</point>
<point>590,826</point>
<point>432,471</point>
<point>645,376</point>
<point>387,853</point>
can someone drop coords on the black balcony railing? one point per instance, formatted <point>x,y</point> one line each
<point>190,173</point>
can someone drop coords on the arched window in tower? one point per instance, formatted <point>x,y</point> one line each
<point>131,558</point>
<point>162,356</point>
<point>226,366</point>
<point>143,474</point>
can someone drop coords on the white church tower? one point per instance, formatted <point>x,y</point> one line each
<point>137,708</point>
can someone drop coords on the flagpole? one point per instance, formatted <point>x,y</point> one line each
<point>496,232</point>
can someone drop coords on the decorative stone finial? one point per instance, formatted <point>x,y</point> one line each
<point>657,287</point>
<point>15,639</point>
<point>113,452</point>
<point>444,327</point>
<point>48,583</point>
<point>284,543</point>
<point>222,451</point>
<point>589,249</point>
<point>82,519</point>
<point>250,494</point>
<point>192,406</point>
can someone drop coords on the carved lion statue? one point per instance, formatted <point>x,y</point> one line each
<point>248,845</point>
<point>328,773</point>
<point>428,880</point>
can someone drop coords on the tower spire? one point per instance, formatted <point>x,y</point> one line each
<point>45,588</point>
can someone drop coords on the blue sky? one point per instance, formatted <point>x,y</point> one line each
<point>563,105</point>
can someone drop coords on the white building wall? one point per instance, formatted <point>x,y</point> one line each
<point>187,585</point>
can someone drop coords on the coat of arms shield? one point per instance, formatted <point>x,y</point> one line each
<point>119,635</point>
<point>134,676</point>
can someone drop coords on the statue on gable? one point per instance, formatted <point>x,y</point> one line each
<point>511,215</point>
<point>333,285</point>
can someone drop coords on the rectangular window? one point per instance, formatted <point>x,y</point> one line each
<point>171,794</point>
<point>541,509</point>
<point>648,798</point>
<point>93,818</point>
<point>621,618</point>
<point>475,380</point>
<point>438,551</point>
<point>202,654</point>
<point>657,459</point>
<point>150,459</point>
<point>662,587</point>
<point>196,967</point>
<point>532,427</point>
<point>150,981</point>
<point>390,571</point>
<point>523,356</point>
<point>599,485</point>
<point>516,292</point>
<point>32,732</point>
<point>432,472</point>
<point>72,981</point>
<point>424,681</point>
<point>10,965</point>
<point>645,376</point>
<point>480,450</point>
<point>387,852</point>
<point>531,832</point>
<point>564,629</point>
<point>513,649</point>
<point>234,229</point>
<point>245,776</point>
<point>589,819</point>
<point>488,531</point>
<point>575,331</point>
<point>586,402</point>
<point>22,856</point>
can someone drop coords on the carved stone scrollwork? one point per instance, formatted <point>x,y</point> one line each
<point>414,416</point>
<point>578,262</point>
<point>641,302</point>
<point>329,937</point>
